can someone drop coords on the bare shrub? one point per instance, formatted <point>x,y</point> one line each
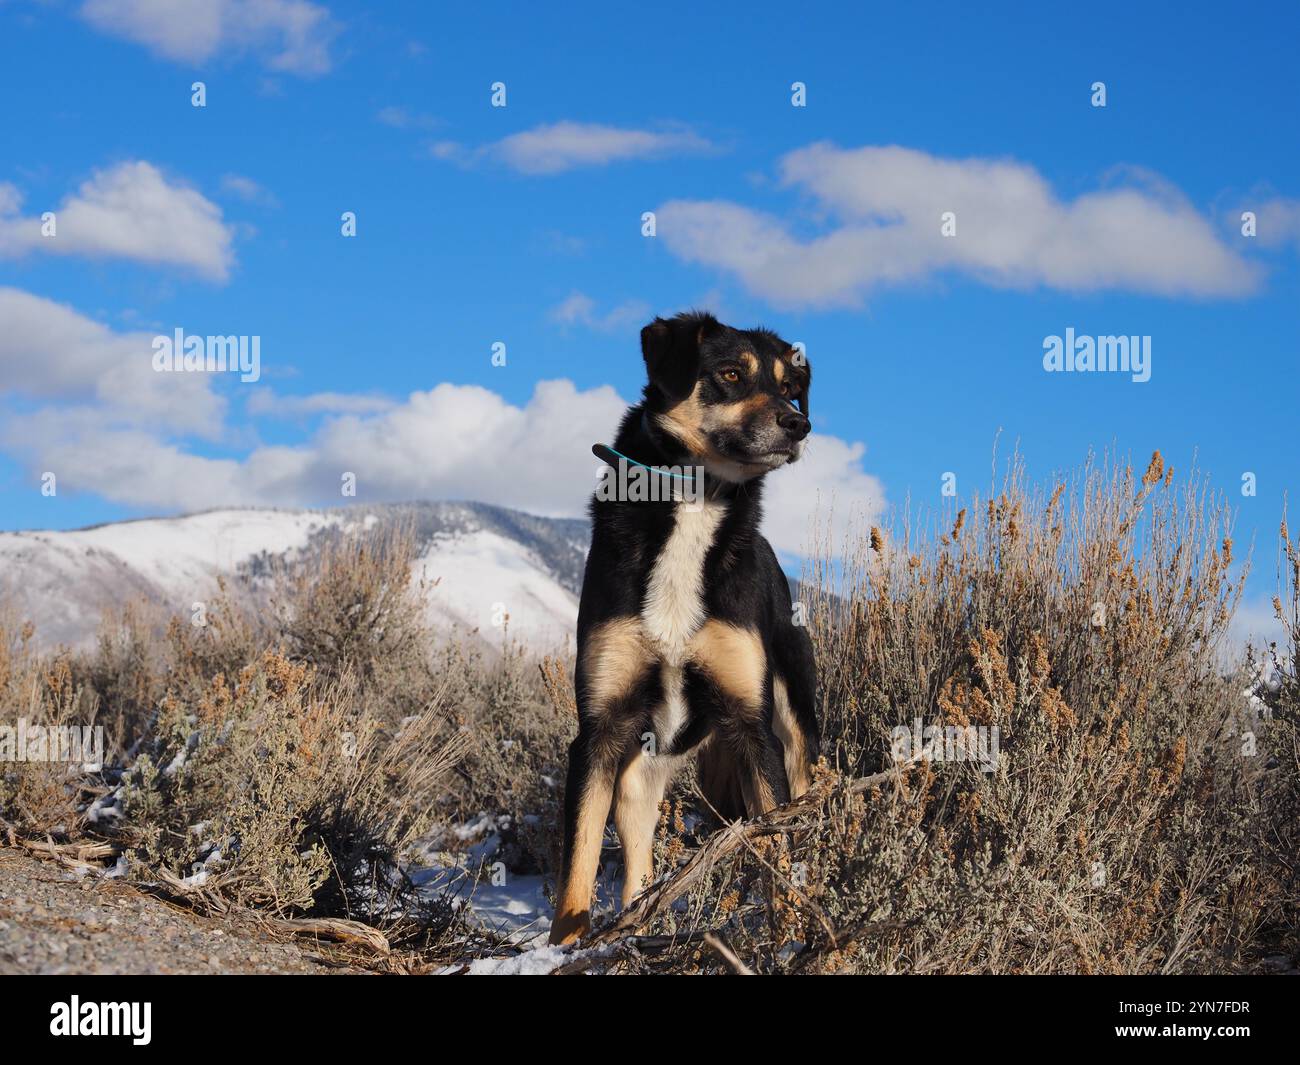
<point>124,675</point>
<point>229,636</point>
<point>273,792</point>
<point>41,797</point>
<point>1124,826</point>
<point>351,610</point>
<point>1281,740</point>
<point>1142,815</point>
<point>518,721</point>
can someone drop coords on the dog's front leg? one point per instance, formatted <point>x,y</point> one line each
<point>587,799</point>
<point>612,684</point>
<point>640,790</point>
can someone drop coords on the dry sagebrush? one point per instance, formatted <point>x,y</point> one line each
<point>282,760</point>
<point>41,798</point>
<point>1144,816</point>
<point>275,792</point>
<point>1138,819</point>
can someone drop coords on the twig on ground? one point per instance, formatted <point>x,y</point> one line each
<point>720,947</point>
<point>352,933</point>
<point>726,841</point>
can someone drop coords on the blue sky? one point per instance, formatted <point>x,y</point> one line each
<point>522,224</point>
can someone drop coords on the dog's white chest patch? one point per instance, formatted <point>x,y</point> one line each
<point>674,604</point>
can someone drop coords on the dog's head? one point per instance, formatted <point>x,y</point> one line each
<point>735,399</point>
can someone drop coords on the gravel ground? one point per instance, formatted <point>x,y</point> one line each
<point>54,921</point>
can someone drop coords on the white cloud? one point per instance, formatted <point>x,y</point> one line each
<point>11,198</point>
<point>562,146</point>
<point>1277,222</point>
<point>50,352</point>
<point>885,205</point>
<point>248,190</point>
<point>401,118</point>
<point>1255,623</point>
<point>122,464</point>
<point>128,211</point>
<point>468,442</point>
<point>826,494</point>
<point>451,442</point>
<point>265,401</point>
<point>82,400</point>
<point>563,243</point>
<point>580,309</point>
<point>293,36</point>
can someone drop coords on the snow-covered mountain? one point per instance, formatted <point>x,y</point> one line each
<point>482,558</point>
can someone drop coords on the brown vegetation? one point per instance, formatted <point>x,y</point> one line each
<point>1143,814</point>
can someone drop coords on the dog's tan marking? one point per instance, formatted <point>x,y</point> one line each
<point>685,421</point>
<point>789,366</point>
<point>573,908</point>
<point>689,422</point>
<point>726,414</point>
<point>758,793</point>
<point>638,793</point>
<point>734,658</point>
<point>751,362</point>
<point>791,736</point>
<point>615,657</point>
<point>722,415</point>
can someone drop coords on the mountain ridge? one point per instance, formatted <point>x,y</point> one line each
<point>476,558</point>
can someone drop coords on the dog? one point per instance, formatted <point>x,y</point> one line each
<point>687,642</point>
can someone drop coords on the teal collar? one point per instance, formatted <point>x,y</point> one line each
<point>609,455</point>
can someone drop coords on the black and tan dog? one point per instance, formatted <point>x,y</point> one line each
<point>687,644</point>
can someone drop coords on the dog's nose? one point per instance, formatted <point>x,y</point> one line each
<point>795,424</point>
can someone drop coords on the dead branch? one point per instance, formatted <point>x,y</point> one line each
<point>726,841</point>
<point>337,929</point>
<point>86,855</point>
<point>723,950</point>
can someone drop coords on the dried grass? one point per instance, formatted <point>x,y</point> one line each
<point>1143,816</point>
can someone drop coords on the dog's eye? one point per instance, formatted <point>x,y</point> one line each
<point>731,375</point>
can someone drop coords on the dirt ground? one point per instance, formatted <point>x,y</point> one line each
<point>53,920</point>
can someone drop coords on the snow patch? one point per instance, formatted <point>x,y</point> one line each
<point>537,962</point>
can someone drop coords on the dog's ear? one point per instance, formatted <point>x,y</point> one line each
<point>671,347</point>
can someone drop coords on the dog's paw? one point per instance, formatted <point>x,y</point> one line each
<point>569,927</point>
